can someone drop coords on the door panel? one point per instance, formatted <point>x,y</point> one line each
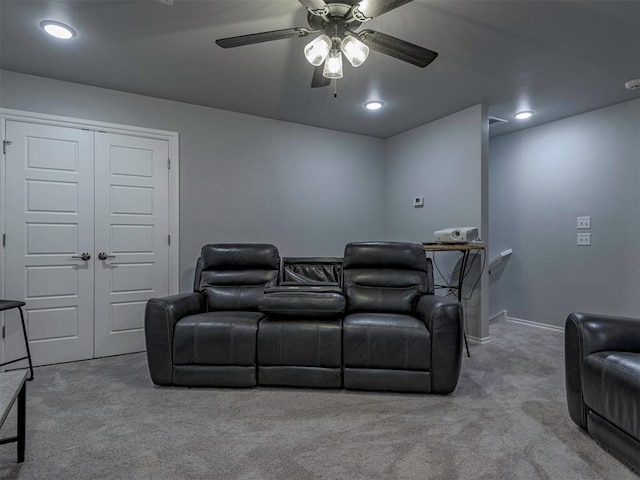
<point>131,226</point>
<point>49,216</point>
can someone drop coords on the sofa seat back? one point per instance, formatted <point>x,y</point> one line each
<point>234,276</point>
<point>311,270</point>
<point>385,277</point>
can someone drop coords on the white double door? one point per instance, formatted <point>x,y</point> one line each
<point>87,239</point>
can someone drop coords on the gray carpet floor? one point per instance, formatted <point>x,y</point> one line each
<point>104,419</point>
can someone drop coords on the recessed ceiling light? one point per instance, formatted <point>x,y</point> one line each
<point>523,115</point>
<point>374,105</point>
<point>57,29</point>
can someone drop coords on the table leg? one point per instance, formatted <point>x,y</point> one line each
<point>463,266</point>
<point>26,344</point>
<point>22,414</point>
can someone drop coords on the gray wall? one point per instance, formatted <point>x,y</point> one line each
<point>445,162</point>
<point>540,180</point>
<point>242,178</point>
<point>307,190</point>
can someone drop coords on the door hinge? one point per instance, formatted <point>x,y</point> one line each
<point>4,239</point>
<point>169,239</point>
<point>169,163</point>
<point>4,146</point>
<point>3,332</point>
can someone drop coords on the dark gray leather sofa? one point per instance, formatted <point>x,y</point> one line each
<point>602,360</point>
<point>256,319</point>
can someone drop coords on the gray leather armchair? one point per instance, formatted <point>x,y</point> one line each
<point>208,338</point>
<point>397,335</point>
<point>602,360</point>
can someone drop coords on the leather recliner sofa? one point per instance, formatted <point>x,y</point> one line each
<point>367,321</point>
<point>602,360</point>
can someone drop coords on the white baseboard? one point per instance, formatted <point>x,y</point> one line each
<point>504,316</point>
<point>534,324</point>
<point>499,317</point>
<point>478,340</point>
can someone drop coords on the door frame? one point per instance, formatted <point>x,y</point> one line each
<point>92,125</point>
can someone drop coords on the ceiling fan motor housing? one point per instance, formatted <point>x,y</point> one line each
<point>337,13</point>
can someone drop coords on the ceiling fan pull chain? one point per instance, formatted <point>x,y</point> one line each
<point>335,89</point>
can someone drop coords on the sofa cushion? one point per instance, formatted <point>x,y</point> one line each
<point>216,338</point>
<point>311,270</point>
<point>304,343</point>
<point>387,341</point>
<point>612,388</point>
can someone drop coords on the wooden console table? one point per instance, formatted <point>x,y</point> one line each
<point>13,385</point>
<point>465,249</point>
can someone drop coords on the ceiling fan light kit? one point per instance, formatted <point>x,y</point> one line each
<point>333,65</point>
<point>337,23</point>
<point>317,50</point>
<point>355,51</point>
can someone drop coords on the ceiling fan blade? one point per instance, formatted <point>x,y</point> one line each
<point>316,7</point>
<point>262,37</point>
<point>368,9</point>
<point>394,47</point>
<point>318,79</point>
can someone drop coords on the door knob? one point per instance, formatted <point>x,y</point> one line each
<point>104,256</point>
<point>84,256</point>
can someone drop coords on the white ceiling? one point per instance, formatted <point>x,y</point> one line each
<point>558,58</point>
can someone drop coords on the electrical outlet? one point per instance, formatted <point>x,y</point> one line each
<point>418,201</point>
<point>584,239</point>
<point>584,222</point>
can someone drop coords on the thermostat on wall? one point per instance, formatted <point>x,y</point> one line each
<point>418,201</point>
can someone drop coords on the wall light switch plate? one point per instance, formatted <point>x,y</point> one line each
<point>584,222</point>
<point>418,201</point>
<point>584,239</point>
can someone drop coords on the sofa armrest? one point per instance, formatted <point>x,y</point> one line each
<point>160,318</point>
<point>443,318</point>
<point>587,333</point>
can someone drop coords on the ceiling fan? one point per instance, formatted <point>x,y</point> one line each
<point>337,22</point>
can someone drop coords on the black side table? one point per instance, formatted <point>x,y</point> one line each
<point>465,249</point>
<point>8,305</point>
